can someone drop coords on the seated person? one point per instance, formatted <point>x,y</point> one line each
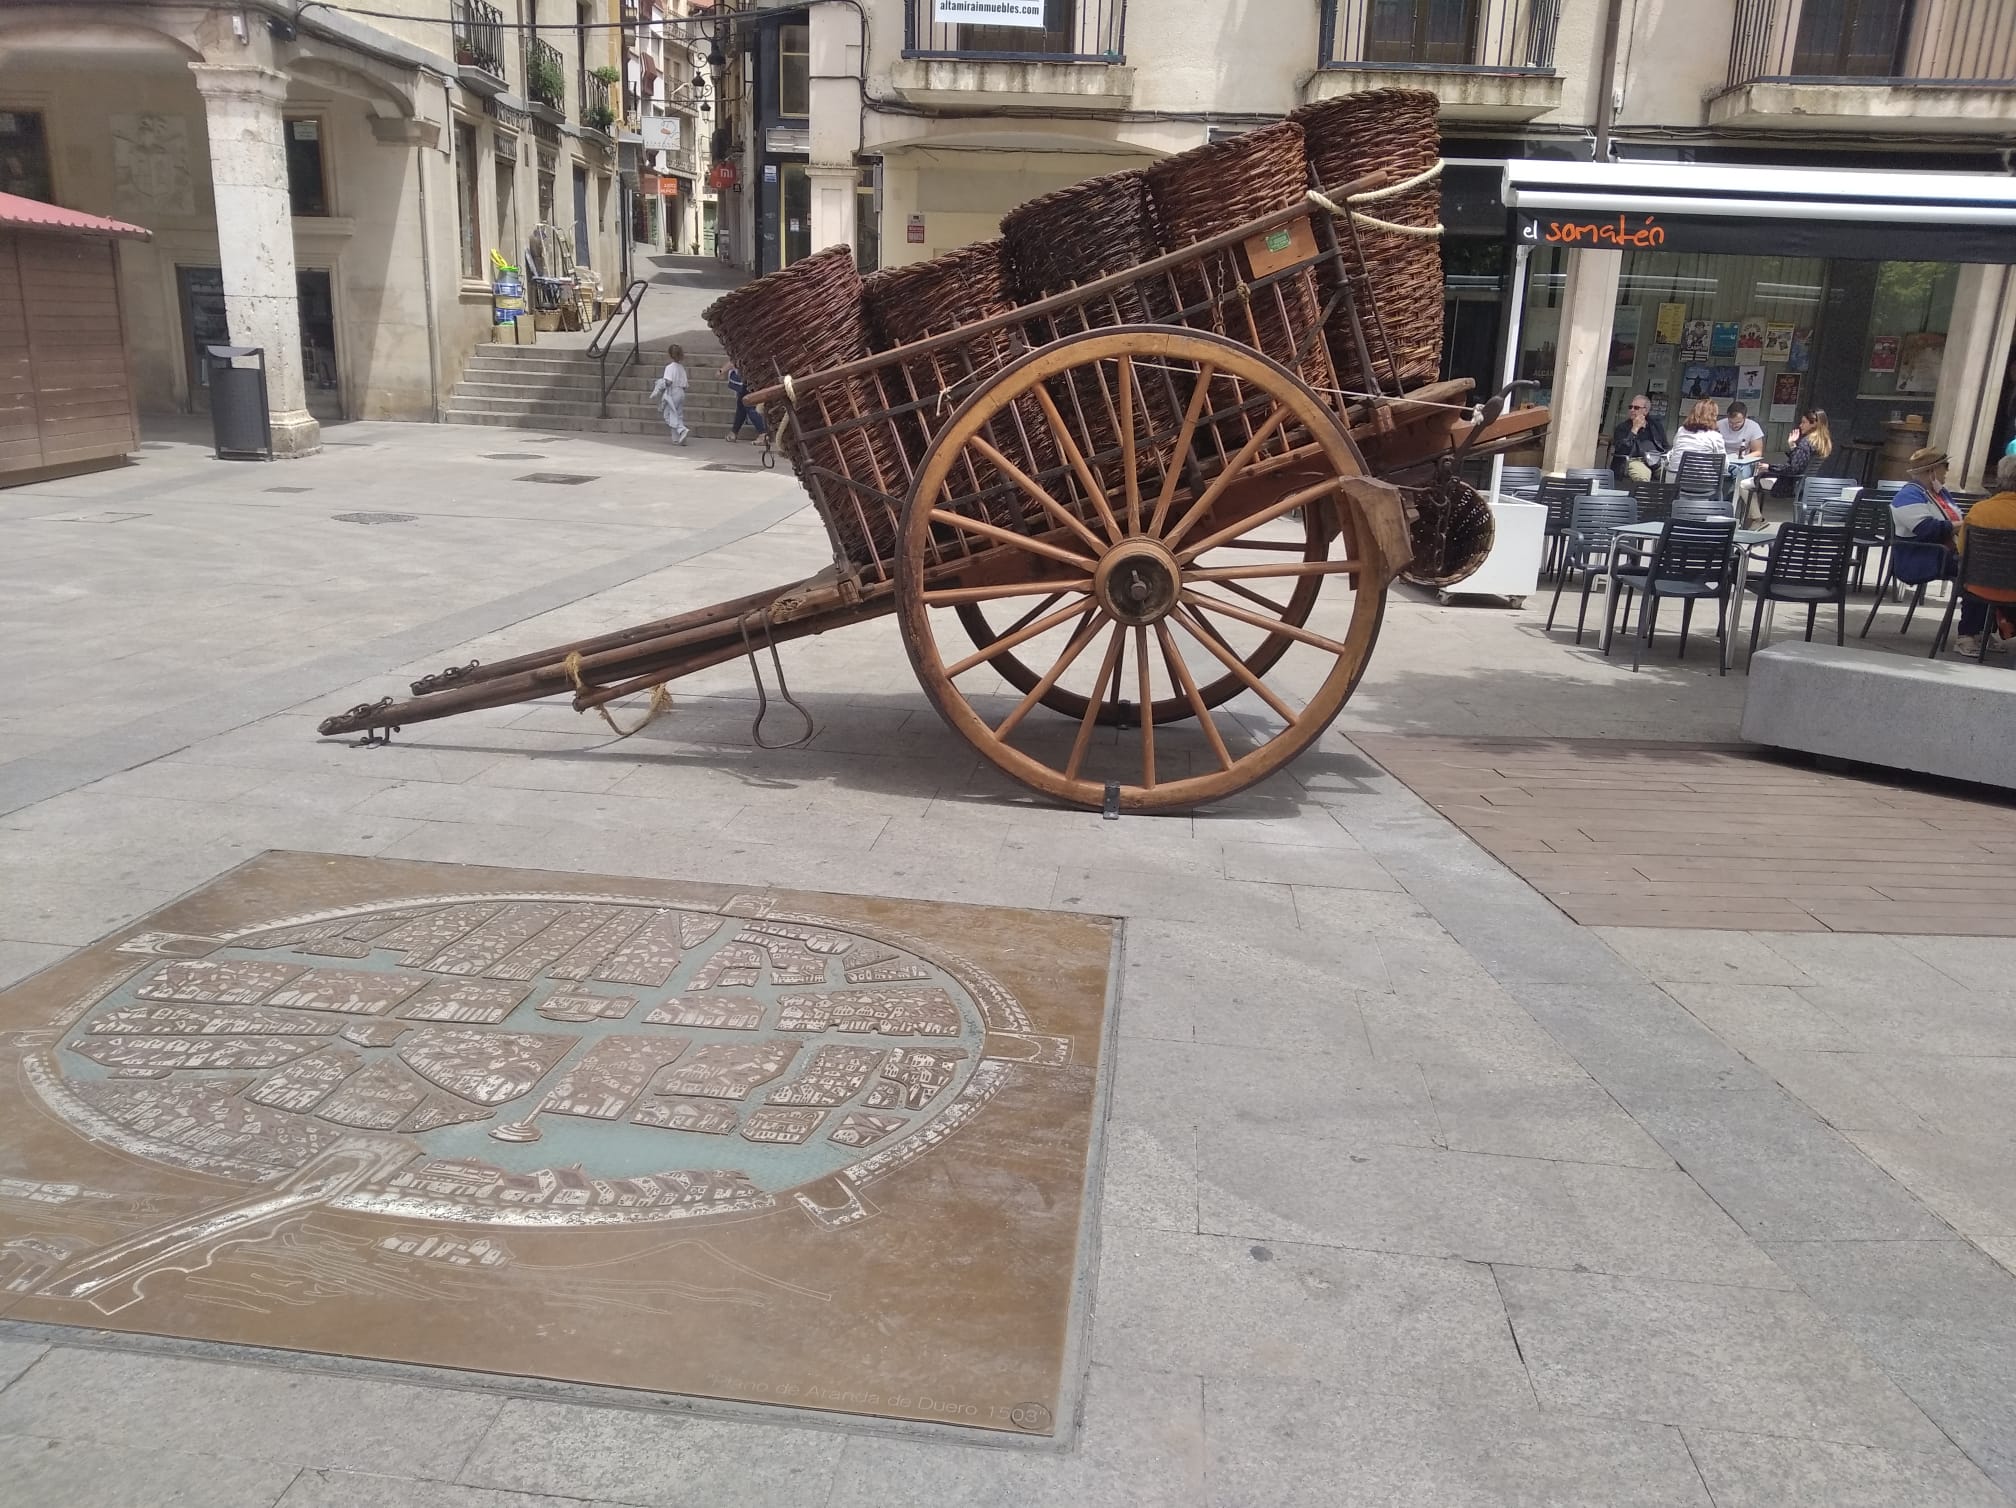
<point>1810,443</point>
<point>1742,439</point>
<point>1637,444</point>
<point>1997,512</point>
<point>1699,436</point>
<point>1924,519</point>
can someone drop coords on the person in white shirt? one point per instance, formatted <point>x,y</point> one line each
<point>1743,438</point>
<point>1698,437</point>
<point>670,392</point>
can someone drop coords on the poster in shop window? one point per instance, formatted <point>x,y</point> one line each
<point>1919,358</point>
<point>1784,398</point>
<point>1723,342</point>
<point>1696,380</point>
<point>1672,322</point>
<point>1801,354</point>
<point>1723,382</point>
<point>1883,354</point>
<point>1750,338</point>
<point>1778,340</point>
<point>1624,340</point>
<point>1750,383</point>
<point>1694,340</point>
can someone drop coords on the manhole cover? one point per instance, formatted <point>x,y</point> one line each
<point>290,489</point>
<point>512,455</point>
<point>399,1100</point>
<point>556,478</point>
<point>374,518</point>
<point>729,466</point>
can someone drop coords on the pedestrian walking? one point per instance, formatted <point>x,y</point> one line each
<point>670,392</point>
<point>739,386</point>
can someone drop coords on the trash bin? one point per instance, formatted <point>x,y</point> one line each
<point>241,424</point>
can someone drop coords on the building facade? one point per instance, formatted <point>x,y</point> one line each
<point>322,186</point>
<point>667,118</point>
<point>908,127</point>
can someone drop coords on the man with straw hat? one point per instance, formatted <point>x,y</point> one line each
<point>1923,517</point>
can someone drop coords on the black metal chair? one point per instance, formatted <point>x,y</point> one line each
<point>1557,495</point>
<point>1808,565</point>
<point>1987,559</point>
<point>1655,500</point>
<point>1591,532</point>
<point>1869,528</point>
<point>1695,560</point>
<point>1818,498</point>
<point>1889,578</point>
<point>1700,476</point>
<point>1520,481</point>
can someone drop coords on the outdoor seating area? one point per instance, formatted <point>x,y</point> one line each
<point>1681,540</point>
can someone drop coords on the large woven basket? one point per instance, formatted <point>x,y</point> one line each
<point>958,289</point>
<point>1209,189</point>
<point>1399,292</point>
<point>1453,531</point>
<point>803,320</point>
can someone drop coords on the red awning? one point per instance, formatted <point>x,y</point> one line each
<point>32,214</point>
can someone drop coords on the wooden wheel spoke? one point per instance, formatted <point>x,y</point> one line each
<point>1272,572</point>
<point>1130,474</point>
<point>1057,511</point>
<point>1068,443</point>
<point>1273,626</point>
<point>1233,663</point>
<point>1227,477</point>
<point>1173,477</point>
<point>1064,662</point>
<point>1009,640</point>
<point>1272,511</point>
<point>951,596</point>
<point>1180,674</point>
<point>1091,718</point>
<point>1038,611</point>
<point>1010,537</point>
<point>1147,695</point>
<point>1279,609</point>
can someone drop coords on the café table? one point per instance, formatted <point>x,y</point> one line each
<point>1634,534</point>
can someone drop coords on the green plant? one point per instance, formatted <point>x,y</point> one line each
<point>545,80</point>
<point>599,118</point>
<point>605,73</point>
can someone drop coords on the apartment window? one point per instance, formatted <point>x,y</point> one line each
<point>1850,38</point>
<point>546,191</point>
<point>1058,34</point>
<point>24,156</point>
<point>1421,31</point>
<point>466,200</point>
<point>507,206</point>
<point>307,175</point>
<point>794,70</point>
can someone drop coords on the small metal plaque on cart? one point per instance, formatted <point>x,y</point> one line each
<point>1284,246</point>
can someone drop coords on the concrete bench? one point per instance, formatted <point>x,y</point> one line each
<point>1937,717</point>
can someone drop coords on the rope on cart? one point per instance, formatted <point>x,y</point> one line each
<point>661,699</point>
<point>1374,196</point>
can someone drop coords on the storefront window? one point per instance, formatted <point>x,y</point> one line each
<point>1908,320</point>
<point>1540,329</point>
<point>797,208</point>
<point>24,155</point>
<point>1730,328</point>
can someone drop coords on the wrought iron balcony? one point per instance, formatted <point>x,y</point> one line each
<point>1053,31</point>
<point>1964,43</point>
<point>596,112</point>
<point>545,75</point>
<point>478,35</point>
<point>1437,36</point>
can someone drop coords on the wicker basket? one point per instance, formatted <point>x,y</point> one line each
<point>803,320</point>
<point>1453,531</point>
<point>1354,136</point>
<point>963,287</point>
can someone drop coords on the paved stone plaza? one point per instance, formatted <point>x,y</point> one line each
<point>1414,1191</point>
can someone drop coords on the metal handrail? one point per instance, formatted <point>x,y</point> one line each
<point>606,338</point>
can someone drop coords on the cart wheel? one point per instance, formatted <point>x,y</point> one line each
<point>1159,565</point>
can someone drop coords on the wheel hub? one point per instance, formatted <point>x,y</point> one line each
<point>1138,582</point>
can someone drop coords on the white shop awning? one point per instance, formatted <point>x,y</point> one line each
<point>1772,211</point>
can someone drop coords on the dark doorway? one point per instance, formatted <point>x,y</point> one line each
<point>581,257</point>
<point>206,322</point>
<point>1473,308</point>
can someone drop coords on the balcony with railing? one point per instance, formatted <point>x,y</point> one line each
<point>1484,59</point>
<point>597,113</point>
<point>545,81</point>
<point>1054,53</point>
<point>478,33</point>
<point>1900,65</point>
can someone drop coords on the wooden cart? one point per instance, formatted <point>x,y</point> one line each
<point>1122,505</point>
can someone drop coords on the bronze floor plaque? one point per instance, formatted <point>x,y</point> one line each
<point>815,1150</point>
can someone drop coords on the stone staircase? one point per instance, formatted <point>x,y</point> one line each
<point>557,389</point>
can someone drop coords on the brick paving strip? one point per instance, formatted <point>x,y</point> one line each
<point>1627,834</point>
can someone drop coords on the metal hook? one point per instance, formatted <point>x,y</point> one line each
<point>783,689</point>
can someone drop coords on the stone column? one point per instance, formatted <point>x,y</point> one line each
<point>255,235</point>
<point>1588,310</point>
<point>832,206</point>
<point>834,50</point>
<point>1970,378</point>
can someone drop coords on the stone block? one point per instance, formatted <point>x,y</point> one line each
<point>45,1471</point>
<point>1755,1471</point>
<point>1935,717</point>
